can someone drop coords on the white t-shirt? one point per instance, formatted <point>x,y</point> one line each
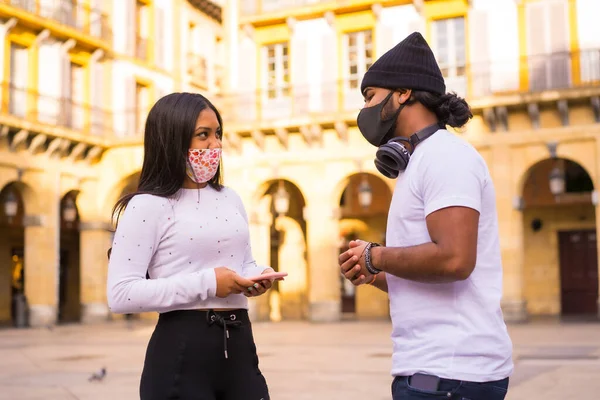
<point>179,241</point>
<point>453,330</point>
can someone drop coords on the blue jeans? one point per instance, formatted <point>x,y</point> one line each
<point>451,389</point>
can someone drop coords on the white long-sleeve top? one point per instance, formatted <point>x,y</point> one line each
<point>179,241</point>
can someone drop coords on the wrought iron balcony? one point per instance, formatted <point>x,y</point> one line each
<point>50,112</point>
<point>290,103</point>
<point>70,13</point>
<point>561,74</point>
<point>544,72</point>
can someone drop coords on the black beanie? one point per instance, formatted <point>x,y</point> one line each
<point>409,65</point>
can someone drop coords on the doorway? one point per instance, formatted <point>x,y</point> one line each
<point>69,296</point>
<point>12,264</point>
<point>578,257</point>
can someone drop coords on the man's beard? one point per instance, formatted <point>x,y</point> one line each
<point>388,110</point>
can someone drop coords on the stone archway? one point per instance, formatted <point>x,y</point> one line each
<point>279,241</point>
<point>125,186</point>
<point>560,273</point>
<point>363,209</point>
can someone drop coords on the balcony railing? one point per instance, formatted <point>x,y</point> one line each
<point>256,7</point>
<point>53,111</point>
<point>551,72</point>
<point>300,102</point>
<point>197,68</point>
<point>90,21</point>
<point>554,71</point>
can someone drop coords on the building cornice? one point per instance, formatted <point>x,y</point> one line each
<point>210,8</point>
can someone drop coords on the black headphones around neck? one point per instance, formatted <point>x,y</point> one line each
<point>393,157</point>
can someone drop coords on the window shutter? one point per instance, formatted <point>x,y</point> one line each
<point>537,48</point>
<point>67,99</point>
<point>385,39</point>
<point>300,85</point>
<point>130,112</point>
<point>587,12</point>
<point>560,61</point>
<point>331,83</point>
<point>480,59</point>
<point>132,26</point>
<point>96,18</point>
<point>245,103</point>
<point>160,56</point>
<point>97,112</point>
<point>249,7</point>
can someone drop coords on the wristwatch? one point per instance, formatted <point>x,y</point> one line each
<point>368,263</point>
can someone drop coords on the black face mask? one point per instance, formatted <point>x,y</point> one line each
<point>371,125</point>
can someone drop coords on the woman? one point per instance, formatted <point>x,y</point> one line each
<point>190,235</point>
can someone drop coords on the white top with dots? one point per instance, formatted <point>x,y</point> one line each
<point>179,241</point>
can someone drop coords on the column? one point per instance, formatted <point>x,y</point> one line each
<point>95,240</point>
<point>595,201</point>
<point>41,266</point>
<point>293,290</point>
<point>510,220</point>
<point>324,275</point>
<point>260,225</point>
<point>514,305</point>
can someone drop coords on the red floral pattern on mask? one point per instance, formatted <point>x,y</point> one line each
<point>202,164</point>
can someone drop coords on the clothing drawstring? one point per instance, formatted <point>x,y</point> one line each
<point>224,323</point>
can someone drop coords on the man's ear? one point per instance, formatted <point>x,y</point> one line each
<point>404,96</point>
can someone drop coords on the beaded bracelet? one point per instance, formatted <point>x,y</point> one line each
<point>368,264</point>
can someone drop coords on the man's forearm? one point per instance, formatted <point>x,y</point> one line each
<point>423,263</point>
<point>381,282</point>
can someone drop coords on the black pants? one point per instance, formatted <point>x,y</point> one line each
<point>202,355</point>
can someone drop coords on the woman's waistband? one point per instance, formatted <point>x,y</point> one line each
<point>239,314</point>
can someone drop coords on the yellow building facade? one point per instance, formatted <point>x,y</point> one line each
<point>78,80</point>
<point>286,78</point>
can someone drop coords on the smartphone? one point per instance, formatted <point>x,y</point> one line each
<point>425,382</point>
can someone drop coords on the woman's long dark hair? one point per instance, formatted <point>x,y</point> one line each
<point>169,129</point>
<point>449,108</point>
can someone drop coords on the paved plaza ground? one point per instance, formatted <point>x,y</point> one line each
<point>301,361</point>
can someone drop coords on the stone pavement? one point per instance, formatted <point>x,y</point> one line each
<point>301,361</point>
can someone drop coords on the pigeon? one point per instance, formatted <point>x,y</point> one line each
<point>98,376</point>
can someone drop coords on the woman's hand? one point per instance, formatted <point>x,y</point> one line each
<point>262,286</point>
<point>229,282</point>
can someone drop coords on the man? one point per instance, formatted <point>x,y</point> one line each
<point>442,267</point>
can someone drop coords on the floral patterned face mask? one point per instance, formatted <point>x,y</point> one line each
<point>202,164</point>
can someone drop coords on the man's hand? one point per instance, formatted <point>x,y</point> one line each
<point>352,263</point>
<point>260,287</point>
